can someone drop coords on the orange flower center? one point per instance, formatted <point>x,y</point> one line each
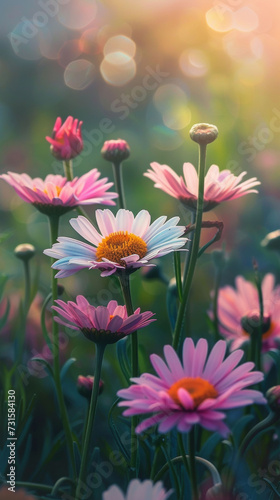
<point>198,388</point>
<point>121,244</point>
<point>58,190</point>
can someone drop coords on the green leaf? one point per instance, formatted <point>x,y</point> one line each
<point>45,363</point>
<point>210,445</point>
<point>123,358</point>
<point>239,428</point>
<point>66,367</point>
<point>116,433</point>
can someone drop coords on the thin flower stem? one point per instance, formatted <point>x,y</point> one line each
<point>191,442</point>
<point>190,244</point>
<point>218,276</point>
<point>195,247</point>
<point>117,169</point>
<point>259,333</point>
<point>54,223</point>
<point>90,421</point>
<point>68,169</point>
<point>125,286</point>
<point>27,285</point>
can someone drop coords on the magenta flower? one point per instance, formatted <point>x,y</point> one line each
<point>125,243</point>
<point>66,141</point>
<point>85,385</point>
<point>219,186</point>
<point>138,490</point>
<point>101,324</point>
<point>239,312</point>
<point>193,392</point>
<point>57,195</point>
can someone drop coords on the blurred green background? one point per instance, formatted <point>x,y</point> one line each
<point>144,71</point>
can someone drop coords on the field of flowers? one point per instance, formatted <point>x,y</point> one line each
<point>140,240</point>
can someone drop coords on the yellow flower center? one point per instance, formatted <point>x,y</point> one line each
<point>198,388</point>
<point>121,244</point>
<point>58,190</point>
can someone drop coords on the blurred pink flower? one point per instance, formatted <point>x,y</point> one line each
<point>239,312</point>
<point>194,392</point>
<point>101,324</point>
<point>125,243</point>
<point>18,494</point>
<point>137,490</point>
<point>219,186</point>
<point>57,194</point>
<point>66,141</point>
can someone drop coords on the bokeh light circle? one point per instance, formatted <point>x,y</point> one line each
<point>194,63</point>
<point>79,74</point>
<point>220,18</point>
<point>120,43</point>
<point>76,15</point>
<point>171,101</point>
<point>118,68</point>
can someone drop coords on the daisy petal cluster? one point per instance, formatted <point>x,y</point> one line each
<point>101,324</point>
<point>196,391</point>
<point>138,490</point>
<point>239,312</point>
<point>219,185</point>
<point>66,141</point>
<point>55,193</point>
<point>124,243</point>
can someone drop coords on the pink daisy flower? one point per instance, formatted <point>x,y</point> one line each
<point>57,195</point>
<point>219,186</point>
<point>101,324</point>
<point>66,141</point>
<point>138,490</point>
<point>239,312</point>
<point>125,242</point>
<point>193,392</point>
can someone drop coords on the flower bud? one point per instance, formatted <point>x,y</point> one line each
<point>204,133</point>
<point>66,141</point>
<point>115,151</point>
<point>85,385</point>
<point>273,398</point>
<point>24,251</point>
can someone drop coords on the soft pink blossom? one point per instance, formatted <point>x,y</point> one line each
<point>219,186</point>
<point>101,324</point>
<point>239,312</point>
<point>56,191</point>
<point>193,392</point>
<point>66,141</point>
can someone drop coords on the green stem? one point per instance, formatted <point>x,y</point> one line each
<point>218,276</point>
<point>68,169</point>
<point>190,244</point>
<point>27,285</point>
<point>34,486</point>
<point>183,453</point>
<point>90,421</point>
<point>191,440</point>
<point>259,333</point>
<point>54,223</point>
<point>195,247</point>
<point>117,169</point>
<point>125,286</point>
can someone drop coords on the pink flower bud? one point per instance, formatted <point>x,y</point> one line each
<point>115,151</point>
<point>66,141</point>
